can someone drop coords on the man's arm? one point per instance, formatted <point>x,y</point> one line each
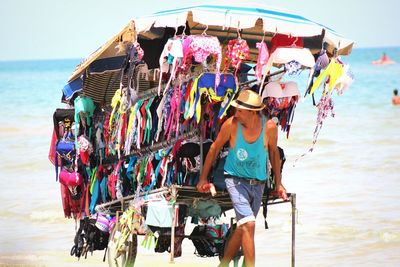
<point>222,137</point>
<point>273,152</point>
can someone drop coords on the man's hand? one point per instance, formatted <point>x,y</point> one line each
<point>281,191</point>
<point>206,188</point>
<point>201,186</point>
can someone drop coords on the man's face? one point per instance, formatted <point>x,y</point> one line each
<point>243,115</point>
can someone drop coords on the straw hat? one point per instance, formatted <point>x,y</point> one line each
<point>248,100</point>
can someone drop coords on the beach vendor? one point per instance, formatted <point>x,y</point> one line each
<point>252,142</point>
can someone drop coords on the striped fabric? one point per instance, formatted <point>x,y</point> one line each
<point>141,78</point>
<point>101,87</point>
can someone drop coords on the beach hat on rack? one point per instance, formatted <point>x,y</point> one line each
<point>283,55</point>
<point>280,99</point>
<point>248,100</point>
<point>278,96</point>
<point>281,89</point>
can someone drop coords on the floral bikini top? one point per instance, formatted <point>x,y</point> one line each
<point>201,47</point>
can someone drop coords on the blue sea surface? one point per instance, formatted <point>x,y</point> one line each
<point>347,188</point>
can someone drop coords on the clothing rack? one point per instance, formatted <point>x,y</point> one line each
<point>268,76</point>
<point>154,90</point>
<point>119,204</point>
<point>153,148</point>
<point>148,93</point>
<point>163,144</point>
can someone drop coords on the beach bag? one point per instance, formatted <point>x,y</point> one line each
<point>163,243</point>
<point>217,232</point>
<point>96,239</point>
<point>88,238</point>
<point>70,178</point>
<point>209,239</point>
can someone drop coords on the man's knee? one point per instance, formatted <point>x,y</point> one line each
<point>248,226</point>
<point>246,219</point>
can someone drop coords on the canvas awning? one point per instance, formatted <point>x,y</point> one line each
<point>254,23</point>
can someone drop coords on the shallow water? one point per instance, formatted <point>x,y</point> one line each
<point>347,188</point>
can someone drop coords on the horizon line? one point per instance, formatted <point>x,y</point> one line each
<point>80,59</point>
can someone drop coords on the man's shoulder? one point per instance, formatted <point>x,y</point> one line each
<point>231,121</point>
<point>229,126</point>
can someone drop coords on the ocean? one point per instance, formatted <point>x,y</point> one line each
<point>347,189</point>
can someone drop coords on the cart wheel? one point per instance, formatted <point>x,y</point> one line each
<point>239,254</point>
<point>125,257</point>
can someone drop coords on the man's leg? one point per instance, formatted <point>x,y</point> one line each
<point>248,230</point>
<point>234,243</point>
<point>240,193</point>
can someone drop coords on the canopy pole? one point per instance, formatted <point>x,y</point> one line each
<point>293,202</point>
<point>175,210</point>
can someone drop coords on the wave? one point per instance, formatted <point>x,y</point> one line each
<point>47,216</point>
<point>351,233</point>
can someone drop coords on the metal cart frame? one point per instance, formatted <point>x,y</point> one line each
<point>186,194</point>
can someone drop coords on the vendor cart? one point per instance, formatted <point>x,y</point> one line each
<point>164,82</point>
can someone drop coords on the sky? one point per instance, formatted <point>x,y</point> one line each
<point>62,29</point>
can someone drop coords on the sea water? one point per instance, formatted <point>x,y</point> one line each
<point>348,202</point>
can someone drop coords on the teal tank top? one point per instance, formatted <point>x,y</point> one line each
<point>248,160</point>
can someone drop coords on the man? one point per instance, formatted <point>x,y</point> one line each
<point>252,141</point>
<point>395,98</point>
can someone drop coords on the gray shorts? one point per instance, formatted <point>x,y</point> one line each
<point>246,198</point>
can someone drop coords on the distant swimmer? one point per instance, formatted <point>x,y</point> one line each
<point>396,97</point>
<point>384,60</point>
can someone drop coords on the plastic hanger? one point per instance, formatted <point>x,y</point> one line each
<point>238,31</point>
<point>262,40</point>
<point>294,42</point>
<point>204,32</point>
<point>276,31</point>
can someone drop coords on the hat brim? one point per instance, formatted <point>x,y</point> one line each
<point>238,105</point>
